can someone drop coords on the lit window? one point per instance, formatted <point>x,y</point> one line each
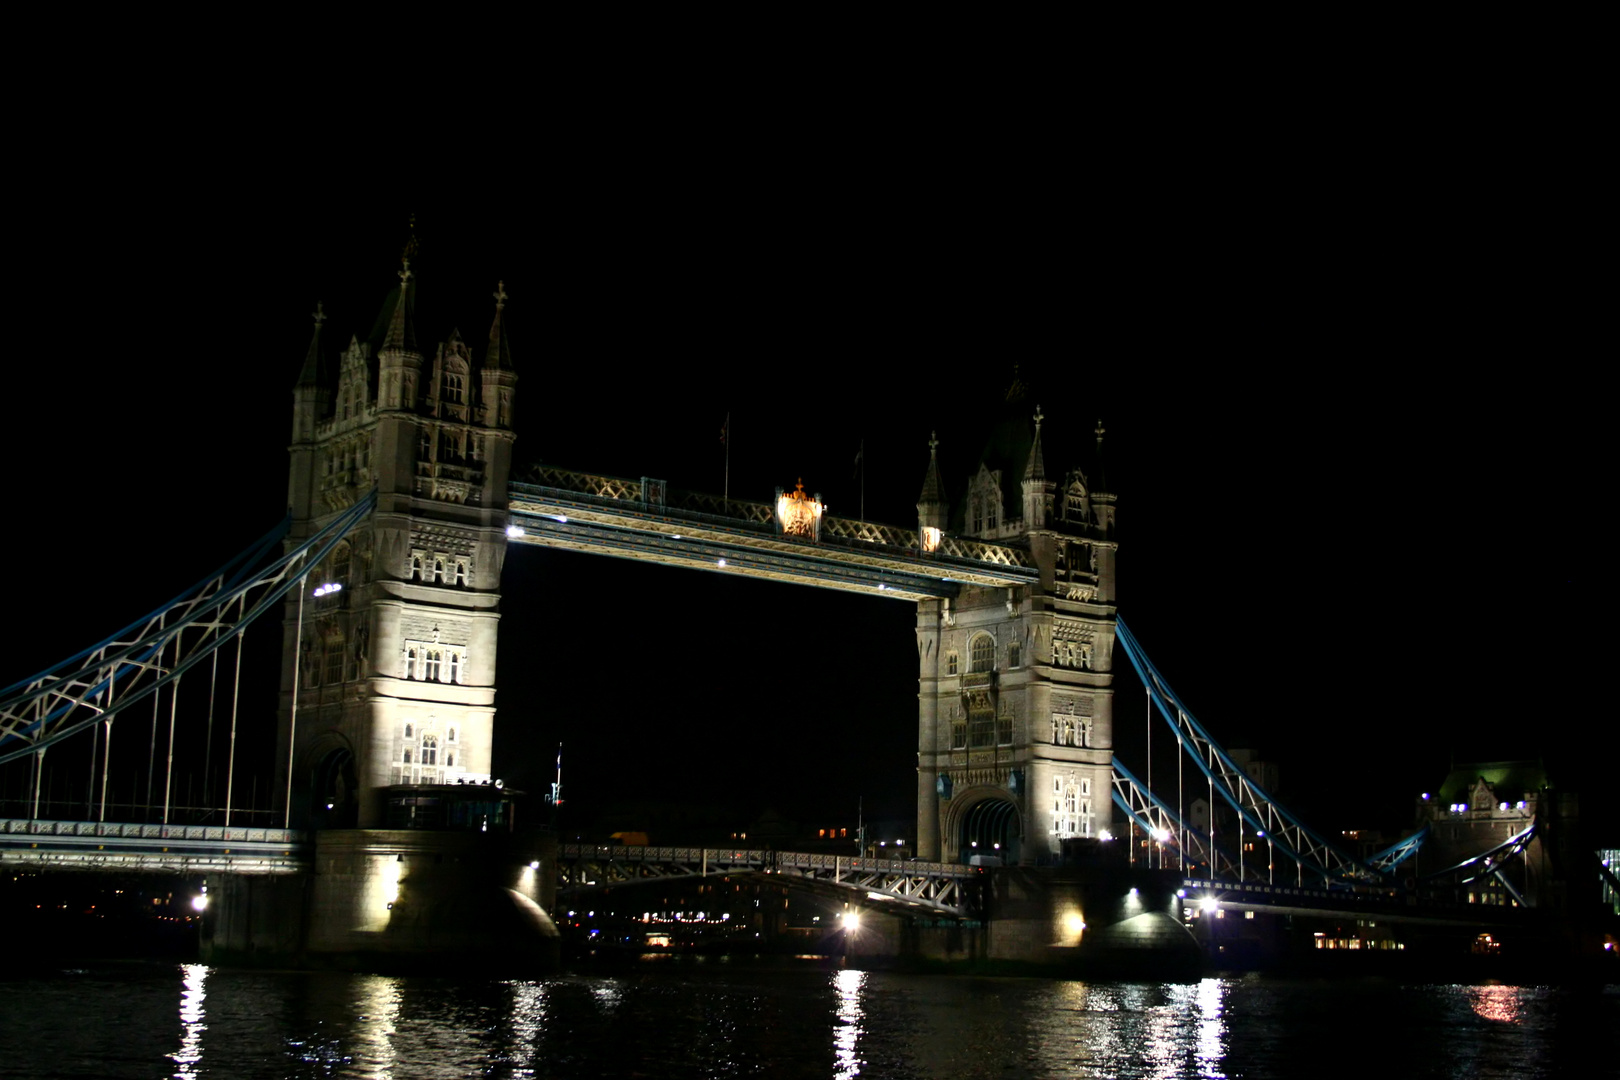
<point>334,659</point>
<point>983,654</point>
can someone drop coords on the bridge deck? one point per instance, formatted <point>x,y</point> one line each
<point>641,520</point>
<point>108,845</point>
<point>934,886</point>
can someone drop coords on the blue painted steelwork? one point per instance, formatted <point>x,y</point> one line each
<point>1398,852</point>
<point>97,683</point>
<point>1133,797</point>
<point>1257,808</point>
<point>1487,864</point>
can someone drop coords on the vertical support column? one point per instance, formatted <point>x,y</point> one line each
<point>928,735</point>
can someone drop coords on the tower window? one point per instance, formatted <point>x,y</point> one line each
<point>1014,654</point>
<point>983,654</point>
<point>430,749</point>
<point>454,389</point>
<point>431,673</point>
<point>950,664</point>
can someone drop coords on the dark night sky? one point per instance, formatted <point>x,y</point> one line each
<point>1347,382</point>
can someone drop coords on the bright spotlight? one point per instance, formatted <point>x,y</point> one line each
<point>1161,835</point>
<point>1074,923</point>
<point>199,902</point>
<point>1208,905</point>
<point>514,530</point>
<point>852,920</point>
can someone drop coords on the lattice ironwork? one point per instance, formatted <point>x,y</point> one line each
<point>936,886</point>
<point>1263,815</point>
<point>1487,864</point>
<point>1155,818</point>
<point>95,685</point>
<point>106,845</point>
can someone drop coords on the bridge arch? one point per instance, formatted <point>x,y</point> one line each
<point>333,792</point>
<point>984,816</point>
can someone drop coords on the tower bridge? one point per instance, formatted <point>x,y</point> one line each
<point>403,508</point>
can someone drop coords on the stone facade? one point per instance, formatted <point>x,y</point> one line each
<point>395,672</point>
<point>1015,686</point>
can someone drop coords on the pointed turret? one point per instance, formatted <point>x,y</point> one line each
<point>499,357</point>
<point>311,394</point>
<point>401,336</point>
<point>399,362</point>
<point>311,373</point>
<point>931,505</point>
<point>498,375</point>
<point>1038,492</point>
<point>1102,499</point>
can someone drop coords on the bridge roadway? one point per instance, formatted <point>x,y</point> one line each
<point>1348,902</point>
<point>936,887</point>
<point>641,519</point>
<point>110,845</point>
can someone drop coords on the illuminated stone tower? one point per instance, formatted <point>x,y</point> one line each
<point>1015,687</point>
<point>394,674</point>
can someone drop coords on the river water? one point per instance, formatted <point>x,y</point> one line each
<point>721,1020</point>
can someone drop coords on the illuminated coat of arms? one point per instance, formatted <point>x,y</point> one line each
<point>798,513</point>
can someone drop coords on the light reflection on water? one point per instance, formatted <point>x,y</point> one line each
<point>721,1021</point>
<point>847,1035</point>
<point>192,980</point>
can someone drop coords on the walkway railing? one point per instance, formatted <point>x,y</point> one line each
<point>931,885</point>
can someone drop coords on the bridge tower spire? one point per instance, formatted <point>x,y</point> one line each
<point>1015,687</point>
<point>396,670</point>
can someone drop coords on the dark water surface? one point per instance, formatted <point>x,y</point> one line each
<point>719,1020</point>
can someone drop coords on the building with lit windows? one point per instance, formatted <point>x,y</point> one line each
<point>1015,731</point>
<point>395,631</point>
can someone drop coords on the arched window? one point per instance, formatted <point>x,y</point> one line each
<point>430,749</point>
<point>450,736</point>
<point>416,568</point>
<point>450,759</point>
<point>410,673</point>
<point>1014,654</point>
<point>409,732</point>
<point>461,571</point>
<point>438,569</point>
<point>982,654</point>
<point>454,389</point>
<point>431,673</point>
<point>334,658</point>
<point>407,757</point>
<point>455,670</point>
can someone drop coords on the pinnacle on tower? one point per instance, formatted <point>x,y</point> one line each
<point>1035,468</point>
<point>401,336</point>
<point>499,356</point>
<point>1099,479</point>
<point>931,503</point>
<point>311,373</point>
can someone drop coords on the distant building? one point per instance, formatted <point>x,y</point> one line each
<point>1478,807</point>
